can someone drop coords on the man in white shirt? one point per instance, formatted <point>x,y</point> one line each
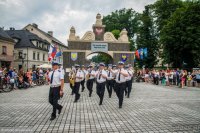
<point>120,86</point>
<point>79,76</point>
<point>91,75</point>
<point>109,82</point>
<point>101,82</point>
<point>128,81</point>
<point>83,81</point>
<point>56,89</point>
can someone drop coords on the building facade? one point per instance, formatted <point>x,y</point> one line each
<point>6,49</point>
<point>48,36</point>
<point>30,50</point>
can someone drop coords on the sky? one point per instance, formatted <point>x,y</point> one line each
<point>60,15</point>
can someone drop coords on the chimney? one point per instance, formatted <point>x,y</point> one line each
<point>50,33</point>
<point>34,25</point>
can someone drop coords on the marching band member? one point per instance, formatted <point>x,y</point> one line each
<point>109,82</point>
<point>120,86</point>
<point>56,89</point>
<point>90,75</point>
<point>83,81</point>
<point>72,79</point>
<point>79,76</point>
<point>128,81</point>
<point>101,81</point>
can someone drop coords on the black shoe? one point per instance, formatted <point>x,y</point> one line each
<point>75,101</point>
<point>59,110</point>
<point>52,118</point>
<point>89,95</point>
<point>109,96</point>
<point>125,93</point>
<point>100,103</point>
<point>120,107</point>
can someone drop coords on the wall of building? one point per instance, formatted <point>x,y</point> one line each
<point>112,46</point>
<point>9,52</point>
<point>29,62</point>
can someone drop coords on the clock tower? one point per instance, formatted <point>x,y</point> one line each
<point>98,28</point>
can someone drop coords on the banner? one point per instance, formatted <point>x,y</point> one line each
<point>141,53</point>
<point>74,56</point>
<point>124,57</point>
<point>145,52</point>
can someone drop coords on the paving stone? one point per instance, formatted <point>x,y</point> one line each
<point>151,109</point>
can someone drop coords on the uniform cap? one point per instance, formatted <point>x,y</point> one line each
<point>101,64</point>
<point>120,63</point>
<point>114,66</point>
<point>55,63</point>
<point>77,65</point>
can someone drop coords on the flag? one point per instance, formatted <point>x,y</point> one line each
<point>141,53</point>
<point>58,54</point>
<point>137,54</point>
<point>145,52</point>
<point>50,49</point>
<point>53,52</point>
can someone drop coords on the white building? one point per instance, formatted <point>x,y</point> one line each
<point>33,28</point>
<point>29,50</point>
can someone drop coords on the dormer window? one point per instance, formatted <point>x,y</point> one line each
<point>37,44</point>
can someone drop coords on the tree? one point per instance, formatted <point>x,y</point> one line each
<point>180,36</point>
<point>102,57</point>
<point>147,38</point>
<point>120,19</point>
<point>163,9</point>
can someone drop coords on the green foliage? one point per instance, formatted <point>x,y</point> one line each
<point>120,19</point>
<point>116,33</point>
<point>102,57</point>
<point>147,38</point>
<point>181,36</point>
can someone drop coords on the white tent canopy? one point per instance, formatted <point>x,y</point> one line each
<point>45,66</point>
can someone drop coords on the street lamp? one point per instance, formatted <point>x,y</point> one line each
<point>22,56</point>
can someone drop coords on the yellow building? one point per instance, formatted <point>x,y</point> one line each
<point>6,49</point>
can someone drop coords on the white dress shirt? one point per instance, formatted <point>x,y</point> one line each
<point>99,74</point>
<point>110,75</point>
<point>130,75</point>
<point>122,77</point>
<point>91,72</point>
<point>57,76</point>
<point>79,73</point>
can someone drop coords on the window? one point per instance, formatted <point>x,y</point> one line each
<point>33,55</point>
<point>43,57</point>
<point>37,43</point>
<point>4,50</point>
<point>38,56</point>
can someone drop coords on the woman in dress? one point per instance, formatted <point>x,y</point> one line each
<point>183,78</point>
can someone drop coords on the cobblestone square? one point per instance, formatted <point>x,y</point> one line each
<point>150,109</point>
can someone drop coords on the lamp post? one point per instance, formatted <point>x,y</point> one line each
<point>22,56</point>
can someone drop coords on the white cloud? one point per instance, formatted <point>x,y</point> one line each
<point>59,15</point>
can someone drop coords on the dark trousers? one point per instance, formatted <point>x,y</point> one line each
<point>72,88</point>
<point>119,88</point>
<point>89,85</point>
<point>101,90</point>
<point>178,81</point>
<point>109,86</point>
<point>54,96</point>
<point>128,87</point>
<point>83,84</point>
<point>156,80</point>
<point>76,90</point>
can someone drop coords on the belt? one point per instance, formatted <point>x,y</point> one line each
<point>120,82</point>
<point>53,86</point>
